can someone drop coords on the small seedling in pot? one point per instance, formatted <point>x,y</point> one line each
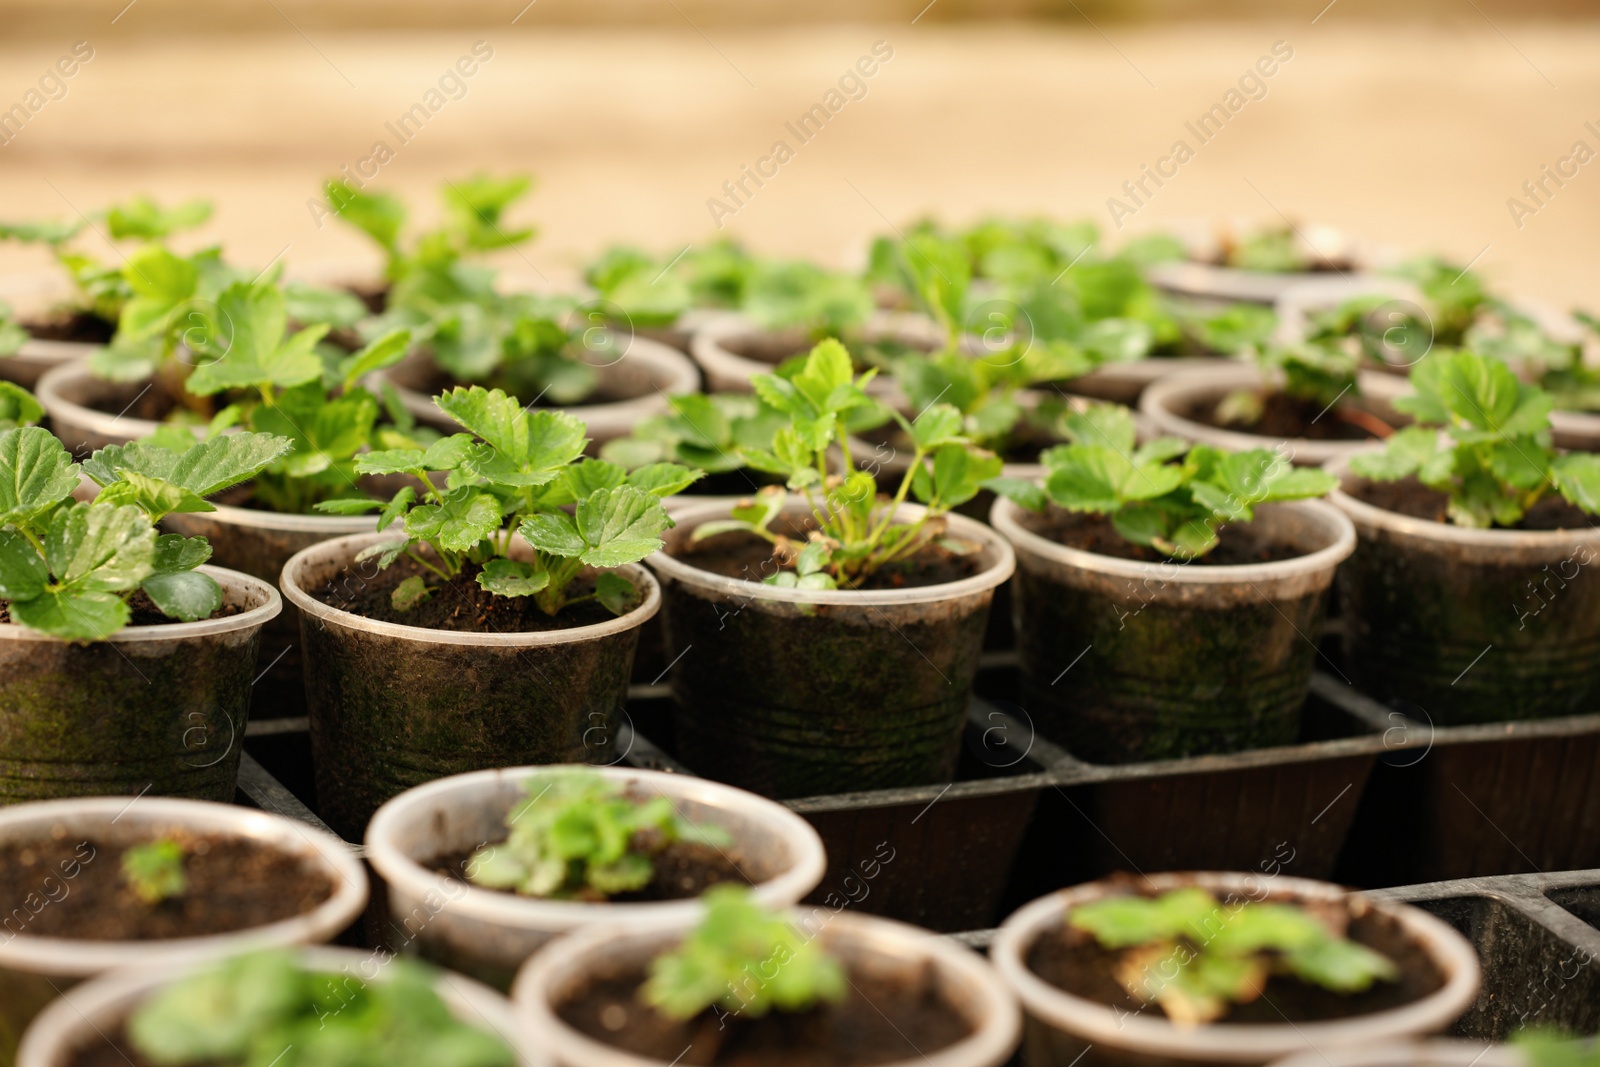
<point>743,959</point>
<point>1483,438</point>
<point>517,473</point>
<point>265,1009</point>
<point>654,292</point>
<point>1548,1046</point>
<point>1164,494</point>
<point>154,871</point>
<point>706,432</point>
<point>578,836</point>
<point>855,533</point>
<point>69,568</point>
<point>1196,957</point>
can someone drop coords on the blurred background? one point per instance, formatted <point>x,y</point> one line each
<point>1412,123</point>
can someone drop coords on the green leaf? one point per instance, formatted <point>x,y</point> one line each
<point>184,594</point>
<point>620,526</point>
<point>827,368</point>
<point>18,406</point>
<point>247,339</point>
<point>396,507</point>
<point>959,472</point>
<point>349,505</point>
<point>75,614</point>
<point>378,215</point>
<point>615,592</point>
<point>391,461</point>
<point>1577,478</point>
<point>174,552</point>
<point>938,425</point>
<point>1405,452</point>
<point>155,497</point>
<point>1107,425</point>
<point>36,474</point>
<point>1025,494</point>
<point>100,547</point>
<point>411,591</point>
<point>143,218</point>
<point>463,518</point>
<point>1342,966</point>
<point>536,441</point>
<point>554,532</point>
<point>23,574</point>
<point>386,351</point>
<point>510,577</point>
<point>663,479</point>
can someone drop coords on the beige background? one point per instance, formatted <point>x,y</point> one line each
<point>1414,132</point>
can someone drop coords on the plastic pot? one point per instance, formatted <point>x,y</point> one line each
<point>86,412</point>
<point>1578,431</point>
<point>1125,383</point>
<point>157,709</point>
<point>862,943</point>
<point>1123,660</point>
<point>394,706</point>
<point>33,970</point>
<point>1469,625</point>
<point>95,1009</point>
<point>793,692</point>
<point>732,349</point>
<point>642,378</point>
<point>1061,1027</point>
<point>1167,404</point>
<point>487,933</point>
<point>259,543</point>
<point>1412,1054</point>
<point>1204,277</point>
<point>32,298</point>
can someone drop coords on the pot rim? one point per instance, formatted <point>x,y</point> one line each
<point>989,578</point>
<point>708,348</point>
<point>286,522</point>
<point>1443,532</point>
<point>101,423</point>
<point>347,545</point>
<point>271,604</point>
<point>998,1020</point>
<point>1438,1052</point>
<point>1156,402</point>
<point>87,1005</point>
<point>1250,1042</point>
<point>495,907</point>
<point>75,957</point>
<point>1004,517</point>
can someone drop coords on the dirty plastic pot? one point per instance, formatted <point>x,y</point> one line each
<point>1127,661</point>
<point>395,706</point>
<point>96,1009</point>
<point>862,943</point>
<point>259,543</point>
<point>1437,1053</point>
<point>1061,1027</point>
<point>34,970</point>
<point>642,379</point>
<point>158,709</point>
<point>85,412</point>
<point>1167,404</point>
<point>1578,431</point>
<point>729,349</point>
<point>794,692</point>
<point>1469,625</point>
<point>488,934</point>
<point>37,357</point>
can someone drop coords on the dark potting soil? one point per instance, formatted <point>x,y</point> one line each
<point>1023,445</point>
<point>1288,417</point>
<point>879,1021</point>
<point>742,555</point>
<point>683,871</point>
<point>1236,545</point>
<point>1073,961</point>
<point>233,884</point>
<point>1410,497</point>
<point>461,605</point>
<point>111,1049</point>
<point>145,612</point>
<point>80,326</point>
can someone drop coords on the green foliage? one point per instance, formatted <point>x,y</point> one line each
<point>18,407</point>
<point>744,959</point>
<point>823,303</point>
<point>68,568</point>
<point>578,836</point>
<point>1494,459</point>
<point>1546,1046</point>
<point>264,1009</point>
<point>708,433</point>
<point>154,871</point>
<point>1164,494</point>
<point>517,471</point>
<point>855,532</point>
<point>1196,956</point>
<point>1271,250</point>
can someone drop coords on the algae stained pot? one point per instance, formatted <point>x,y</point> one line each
<point>158,709</point>
<point>488,934</point>
<point>35,969</point>
<point>1062,1028</point>
<point>394,706</point>
<point>72,1027</point>
<point>1124,660</point>
<point>1469,625</point>
<point>793,692</point>
<point>259,543</point>
<point>889,955</point>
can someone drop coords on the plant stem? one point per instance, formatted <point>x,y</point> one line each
<point>424,563</point>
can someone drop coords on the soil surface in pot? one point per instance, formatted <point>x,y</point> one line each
<point>233,884</point>
<point>1410,497</point>
<point>461,605</point>
<point>1023,445</point>
<point>877,1022</point>
<point>81,326</point>
<point>1285,416</point>
<point>682,872</point>
<point>145,612</point>
<point>743,555</point>
<point>1236,545</point>
<point>1073,961</point>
